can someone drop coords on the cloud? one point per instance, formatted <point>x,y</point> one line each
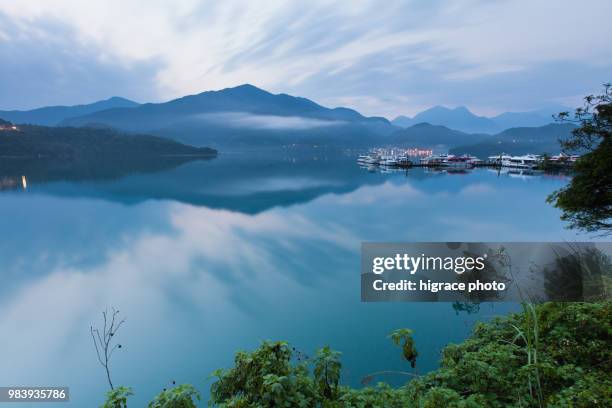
<point>43,62</point>
<point>224,265</point>
<point>278,184</point>
<point>266,122</point>
<point>477,189</point>
<point>210,279</point>
<point>386,60</point>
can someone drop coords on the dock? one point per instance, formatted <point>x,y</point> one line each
<point>440,165</point>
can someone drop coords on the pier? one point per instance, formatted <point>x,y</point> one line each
<point>441,165</point>
<point>395,158</point>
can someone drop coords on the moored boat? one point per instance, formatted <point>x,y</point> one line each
<point>457,162</point>
<point>434,160</point>
<point>498,159</point>
<point>388,161</point>
<point>564,158</point>
<point>528,161</point>
<point>404,161</point>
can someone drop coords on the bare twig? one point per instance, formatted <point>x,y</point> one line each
<point>103,342</point>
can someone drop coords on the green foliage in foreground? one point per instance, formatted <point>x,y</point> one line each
<point>181,396</point>
<point>555,354</point>
<point>117,398</point>
<point>550,355</point>
<point>403,337</point>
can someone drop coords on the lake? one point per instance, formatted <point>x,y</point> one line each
<point>207,257</point>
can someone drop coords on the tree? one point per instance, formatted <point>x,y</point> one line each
<point>181,396</point>
<point>586,201</point>
<point>117,397</point>
<point>327,372</point>
<point>103,342</point>
<point>265,378</point>
<point>403,338</point>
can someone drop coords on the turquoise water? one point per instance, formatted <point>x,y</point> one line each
<point>208,257</point>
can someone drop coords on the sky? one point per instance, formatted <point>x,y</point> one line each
<point>381,58</point>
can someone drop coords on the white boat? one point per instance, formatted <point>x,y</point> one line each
<point>434,160</point>
<point>498,158</point>
<point>371,158</point>
<point>387,161</point>
<point>564,158</point>
<point>382,158</point>
<point>457,162</point>
<point>404,161</point>
<point>528,161</point>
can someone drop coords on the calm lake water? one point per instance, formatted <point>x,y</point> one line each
<point>207,257</point>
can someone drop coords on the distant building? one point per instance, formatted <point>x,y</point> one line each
<point>8,127</point>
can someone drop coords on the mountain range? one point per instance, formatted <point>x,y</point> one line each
<point>241,115</point>
<point>462,119</point>
<point>247,116</point>
<point>53,115</point>
<point>520,140</point>
<point>434,136</point>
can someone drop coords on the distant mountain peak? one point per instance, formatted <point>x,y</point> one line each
<point>247,86</point>
<point>400,117</point>
<point>119,99</point>
<point>461,118</point>
<point>445,109</point>
<point>436,108</point>
<point>427,125</point>
<point>245,89</point>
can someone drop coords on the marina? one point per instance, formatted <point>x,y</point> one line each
<point>398,158</point>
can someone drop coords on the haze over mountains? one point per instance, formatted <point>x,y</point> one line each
<point>248,116</point>
<point>240,115</point>
<point>462,119</point>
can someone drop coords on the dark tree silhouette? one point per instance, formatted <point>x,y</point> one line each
<point>587,201</point>
<point>103,341</point>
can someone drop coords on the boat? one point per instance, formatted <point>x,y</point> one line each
<point>362,158</point>
<point>387,161</point>
<point>497,160</point>
<point>564,158</point>
<point>404,161</point>
<point>528,161</point>
<point>372,158</point>
<point>384,157</point>
<point>434,160</point>
<point>457,162</point>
